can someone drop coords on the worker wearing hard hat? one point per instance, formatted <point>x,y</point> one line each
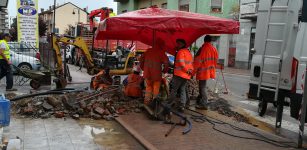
<point>101,80</point>
<point>111,13</point>
<point>154,62</point>
<point>134,83</point>
<point>182,73</point>
<point>205,63</point>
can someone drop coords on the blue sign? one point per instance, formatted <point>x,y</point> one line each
<point>27,10</point>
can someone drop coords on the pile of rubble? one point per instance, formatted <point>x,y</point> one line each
<point>76,105</point>
<point>222,107</point>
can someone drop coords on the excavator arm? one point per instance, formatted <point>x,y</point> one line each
<point>102,13</point>
<point>77,42</point>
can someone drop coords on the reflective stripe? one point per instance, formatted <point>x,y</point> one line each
<point>6,52</point>
<point>182,60</point>
<point>206,59</point>
<point>179,68</point>
<point>207,68</point>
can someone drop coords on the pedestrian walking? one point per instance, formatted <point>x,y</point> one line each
<point>205,63</point>
<point>153,62</point>
<point>5,62</point>
<point>182,73</point>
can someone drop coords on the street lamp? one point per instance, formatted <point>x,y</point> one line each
<point>73,12</point>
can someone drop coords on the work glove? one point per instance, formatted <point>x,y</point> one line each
<point>189,72</point>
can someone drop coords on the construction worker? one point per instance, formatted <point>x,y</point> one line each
<point>153,62</point>
<point>5,62</point>
<point>182,72</point>
<point>134,82</point>
<point>111,13</point>
<point>204,64</point>
<point>101,80</point>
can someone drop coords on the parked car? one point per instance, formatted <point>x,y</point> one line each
<point>24,49</point>
<point>25,62</point>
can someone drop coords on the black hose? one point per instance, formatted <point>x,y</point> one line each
<point>186,130</point>
<point>37,94</point>
<point>214,122</point>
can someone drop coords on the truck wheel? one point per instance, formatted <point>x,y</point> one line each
<point>262,106</point>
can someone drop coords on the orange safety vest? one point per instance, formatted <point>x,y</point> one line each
<point>133,87</point>
<point>205,62</point>
<point>183,63</point>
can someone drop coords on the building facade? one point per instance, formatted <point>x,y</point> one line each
<point>246,39</point>
<point>65,15</point>
<point>229,47</point>
<point>4,20</point>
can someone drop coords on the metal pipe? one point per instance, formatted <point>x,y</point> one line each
<point>37,94</point>
<point>170,130</point>
<point>54,5</point>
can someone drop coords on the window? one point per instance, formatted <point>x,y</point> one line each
<point>216,6</point>
<point>184,5</point>
<point>164,5</point>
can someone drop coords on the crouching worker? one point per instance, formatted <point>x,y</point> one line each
<point>134,84</point>
<point>101,80</point>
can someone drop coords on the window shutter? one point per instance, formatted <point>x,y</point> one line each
<point>216,3</point>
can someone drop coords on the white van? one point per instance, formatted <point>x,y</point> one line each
<point>278,46</point>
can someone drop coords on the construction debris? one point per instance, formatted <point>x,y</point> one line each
<point>95,104</point>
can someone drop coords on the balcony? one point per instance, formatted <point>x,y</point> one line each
<point>249,9</point>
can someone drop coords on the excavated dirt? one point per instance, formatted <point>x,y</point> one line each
<point>106,106</point>
<point>222,107</point>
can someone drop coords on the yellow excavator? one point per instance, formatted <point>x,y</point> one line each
<point>63,71</point>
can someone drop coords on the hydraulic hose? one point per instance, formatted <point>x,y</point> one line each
<point>185,130</point>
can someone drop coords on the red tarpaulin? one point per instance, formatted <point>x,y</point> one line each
<point>167,25</point>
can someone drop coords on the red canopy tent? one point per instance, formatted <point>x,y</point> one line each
<point>153,23</point>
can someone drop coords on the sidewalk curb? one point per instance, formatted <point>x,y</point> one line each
<point>136,135</point>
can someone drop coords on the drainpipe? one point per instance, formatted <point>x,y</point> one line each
<point>304,11</point>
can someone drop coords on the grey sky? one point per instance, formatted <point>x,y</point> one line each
<point>92,4</point>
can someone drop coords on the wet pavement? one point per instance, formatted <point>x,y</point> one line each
<point>68,134</point>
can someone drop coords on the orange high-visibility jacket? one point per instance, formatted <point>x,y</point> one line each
<point>205,62</point>
<point>101,78</point>
<point>183,63</point>
<point>151,63</point>
<point>133,87</point>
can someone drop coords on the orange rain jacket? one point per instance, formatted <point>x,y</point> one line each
<point>205,62</point>
<point>133,87</point>
<point>151,63</point>
<point>183,63</point>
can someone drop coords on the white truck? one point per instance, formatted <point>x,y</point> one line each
<point>280,58</point>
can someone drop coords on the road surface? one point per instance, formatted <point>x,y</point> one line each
<point>238,86</point>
